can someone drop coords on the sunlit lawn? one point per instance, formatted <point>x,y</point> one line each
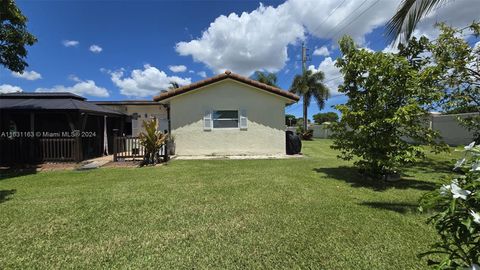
<point>314,212</point>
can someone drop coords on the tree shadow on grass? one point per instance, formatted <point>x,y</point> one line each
<point>15,171</point>
<point>5,195</point>
<point>429,165</point>
<point>355,179</point>
<point>401,208</point>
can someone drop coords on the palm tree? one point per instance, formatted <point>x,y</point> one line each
<point>409,13</point>
<point>266,78</point>
<point>174,85</point>
<point>308,85</point>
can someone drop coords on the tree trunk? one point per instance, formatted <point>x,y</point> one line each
<point>305,120</point>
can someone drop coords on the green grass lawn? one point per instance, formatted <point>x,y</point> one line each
<point>314,212</point>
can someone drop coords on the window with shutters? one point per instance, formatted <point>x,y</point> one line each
<point>225,119</point>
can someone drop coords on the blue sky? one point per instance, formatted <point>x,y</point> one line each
<point>199,37</point>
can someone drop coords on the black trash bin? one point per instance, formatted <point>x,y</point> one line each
<point>294,144</point>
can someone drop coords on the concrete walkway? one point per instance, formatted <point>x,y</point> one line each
<point>208,157</point>
<point>94,163</point>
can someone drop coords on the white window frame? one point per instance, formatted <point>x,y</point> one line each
<point>226,119</point>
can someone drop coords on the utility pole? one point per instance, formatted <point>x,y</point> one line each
<point>305,58</point>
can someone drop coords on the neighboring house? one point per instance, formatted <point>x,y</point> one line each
<point>138,110</point>
<point>228,114</point>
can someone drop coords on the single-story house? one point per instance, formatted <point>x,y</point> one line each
<point>227,114</point>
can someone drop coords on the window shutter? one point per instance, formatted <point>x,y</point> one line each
<point>135,128</point>
<point>207,121</point>
<point>243,119</point>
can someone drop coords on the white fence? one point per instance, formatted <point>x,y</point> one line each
<point>450,129</point>
<point>321,131</point>
<point>446,124</point>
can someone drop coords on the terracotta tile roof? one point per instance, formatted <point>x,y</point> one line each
<point>227,75</point>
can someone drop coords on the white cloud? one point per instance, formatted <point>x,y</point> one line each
<point>455,13</point>
<point>191,71</point>
<point>247,42</point>
<point>333,77</point>
<point>258,40</point>
<point>81,88</point>
<point>322,51</point>
<point>202,74</point>
<point>74,78</point>
<point>392,48</point>
<point>179,68</point>
<point>70,43</point>
<point>95,49</point>
<point>7,88</point>
<point>143,83</point>
<point>354,18</point>
<point>27,75</point>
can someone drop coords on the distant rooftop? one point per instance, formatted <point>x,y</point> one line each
<point>49,95</point>
<point>60,101</point>
<point>126,102</point>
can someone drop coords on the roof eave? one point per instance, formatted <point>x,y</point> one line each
<point>166,96</point>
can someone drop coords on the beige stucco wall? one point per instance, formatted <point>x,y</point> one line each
<point>266,121</point>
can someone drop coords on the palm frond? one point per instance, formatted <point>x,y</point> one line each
<point>410,12</point>
<point>266,78</point>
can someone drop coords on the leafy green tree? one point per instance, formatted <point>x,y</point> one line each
<point>14,37</point>
<point>290,120</point>
<point>386,98</point>
<point>456,217</point>
<point>408,15</point>
<point>320,118</point>
<point>266,78</point>
<point>457,65</point>
<point>310,85</point>
<point>300,122</point>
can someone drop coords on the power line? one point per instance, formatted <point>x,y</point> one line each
<point>331,79</point>
<point>359,15</point>
<point>348,24</point>
<point>328,37</point>
<point>340,22</point>
<point>331,13</point>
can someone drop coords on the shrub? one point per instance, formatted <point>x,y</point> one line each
<point>305,134</point>
<point>457,217</point>
<point>320,118</point>
<point>152,140</point>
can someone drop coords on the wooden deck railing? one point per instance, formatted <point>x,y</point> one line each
<point>126,147</point>
<point>58,149</point>
<point>33,150</point>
